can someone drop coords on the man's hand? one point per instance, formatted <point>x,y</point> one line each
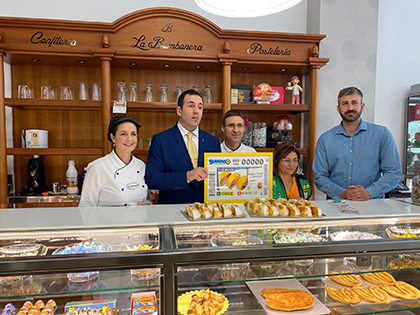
<point>197,174</point>
<point>356,193</point>
<point>143,204</point>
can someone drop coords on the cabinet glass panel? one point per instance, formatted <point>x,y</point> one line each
<point>241,283</point>
<point>64,242</point>
<point>86,286</point>
<point>413,137</point>
<point>303,254</point>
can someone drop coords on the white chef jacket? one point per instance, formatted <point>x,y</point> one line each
<point>111,182</point>
<point>242,149</point>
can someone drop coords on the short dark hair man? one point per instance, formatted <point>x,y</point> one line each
<point>356,160</point>
<point>175,164</point>
<point>234,127</point>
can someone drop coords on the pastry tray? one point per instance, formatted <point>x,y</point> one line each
<point>340,236</point>
<point>184,213</point>
<point>257,286</point>
<point>253,214</point>
<point>402,229</point>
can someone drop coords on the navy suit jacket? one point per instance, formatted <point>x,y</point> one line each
<point>168,163</point>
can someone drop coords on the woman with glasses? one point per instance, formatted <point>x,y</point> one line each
<point>286,183</point>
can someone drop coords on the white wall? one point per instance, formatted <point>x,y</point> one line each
<point>398,63</point>
<point>290,21</point>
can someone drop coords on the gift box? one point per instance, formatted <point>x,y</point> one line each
<point>89,304</point>
<point>277,95</point>
<point>244,93</point>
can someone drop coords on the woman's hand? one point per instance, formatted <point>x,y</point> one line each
<point>296,197</point>
<point>143,204</point>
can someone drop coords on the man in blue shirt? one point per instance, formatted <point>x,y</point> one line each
<point>356,160</point>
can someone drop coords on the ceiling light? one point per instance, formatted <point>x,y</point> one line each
<point>36,60</point>
<point>198,67</point>
<point>81,61</point>
<point>245,8</point>
<point>166,65</point>
<point>283,69</point>
<point>133,64</point>
<point>246,68</point>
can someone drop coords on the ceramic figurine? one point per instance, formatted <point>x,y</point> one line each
<point>296,88</point>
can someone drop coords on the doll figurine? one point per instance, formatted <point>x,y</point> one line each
<point>295,89</point>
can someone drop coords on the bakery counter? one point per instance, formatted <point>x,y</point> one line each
<point>75,217</point>
<point>73,254</point>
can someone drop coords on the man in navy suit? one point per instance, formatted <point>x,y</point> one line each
<point>169,166</point>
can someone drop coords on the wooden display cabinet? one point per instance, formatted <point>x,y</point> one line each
<point>158,46</point>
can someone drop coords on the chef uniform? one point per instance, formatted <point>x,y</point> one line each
<point>111,182</point>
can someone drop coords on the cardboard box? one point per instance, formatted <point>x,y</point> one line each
<point>143,303</point>
<point>244,93</point>
<point>36,138</point>
<point>90,304</point>
<point>234,96</point>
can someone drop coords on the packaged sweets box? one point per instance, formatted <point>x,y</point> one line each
<point>89,304</point>
<point>241,94</point>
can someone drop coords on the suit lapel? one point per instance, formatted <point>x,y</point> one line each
<point>181,144</point>
<point>201,147</point>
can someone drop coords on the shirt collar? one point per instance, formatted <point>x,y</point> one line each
<point>185,131</point>
<point>229,150</point>
<point>362,126</point>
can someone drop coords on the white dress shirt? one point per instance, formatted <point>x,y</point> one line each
<point>242,149</point>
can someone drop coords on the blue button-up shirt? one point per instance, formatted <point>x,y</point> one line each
<point>368,158</point>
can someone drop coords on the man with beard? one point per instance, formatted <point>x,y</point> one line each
<point>356,160</point>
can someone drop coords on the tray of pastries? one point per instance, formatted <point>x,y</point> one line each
<point>285,297</point>
<point>353,236</point>
<point>282,208</point>
<point>208,211</point>
<point>403,231</point>
<point>377,286</point>
<point>202,302</point>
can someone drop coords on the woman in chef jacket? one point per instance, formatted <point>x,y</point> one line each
<point>117,179</point>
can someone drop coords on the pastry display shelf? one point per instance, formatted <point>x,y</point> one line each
<point>272,108</point>
<point>188,261</point>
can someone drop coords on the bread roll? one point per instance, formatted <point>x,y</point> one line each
<point>192,212</point>
<point>217,213</point>
<point>305,211</point>
<point>227,212</point>
<point>237,212</point>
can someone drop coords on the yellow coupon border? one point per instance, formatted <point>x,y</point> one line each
<point>208,155</point>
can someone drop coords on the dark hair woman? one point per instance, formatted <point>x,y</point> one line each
<point>286,182</point>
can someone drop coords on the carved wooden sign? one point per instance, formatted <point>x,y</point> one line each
<point>167,32</point>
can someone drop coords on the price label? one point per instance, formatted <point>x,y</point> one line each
<point>120,107</point>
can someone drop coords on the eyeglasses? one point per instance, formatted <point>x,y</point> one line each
<point>288,161</point>
<point>232,126</point>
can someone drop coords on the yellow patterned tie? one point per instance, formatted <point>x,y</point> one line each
<point>192,150</point>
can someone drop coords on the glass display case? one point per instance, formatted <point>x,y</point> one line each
<point>412,158</point>
<point>235,259</point>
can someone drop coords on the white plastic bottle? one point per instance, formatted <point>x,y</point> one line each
<point>71,179</point>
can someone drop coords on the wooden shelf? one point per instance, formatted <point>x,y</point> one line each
<point>271,107</point>
<point>301,150</point>
<point>153,106</point>
<point>146,151</point>
<point>26,103</point>
<point>54,151</point>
